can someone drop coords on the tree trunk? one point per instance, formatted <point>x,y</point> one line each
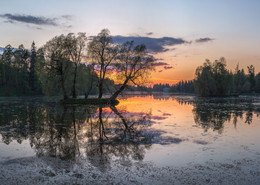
<point>74,94</point>
<point>114,96</point>
<point>100,89</point>
<point>65,96</point>
<point>32,75</point>
<point>90,88</point>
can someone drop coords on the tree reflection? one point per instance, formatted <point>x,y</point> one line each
<point>116,135</point>
<point>213,113</point>
<point>68,132</point>
<point>59,135</point>
<point>102,134</point>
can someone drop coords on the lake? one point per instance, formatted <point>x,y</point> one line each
<point>158,138</point>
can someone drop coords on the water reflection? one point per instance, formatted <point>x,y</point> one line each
<point>100,134</point>
<point>112,134</point>
<point>68,132</point>
<point>213,113</point>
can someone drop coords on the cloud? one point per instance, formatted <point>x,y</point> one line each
<point>157,64</point>
<point>200,142</point>
<point>154,45</point>
<point>167,67</point>
<point>166,114</point>
<point>34,20</point>
<point>202,40</point>
<point>158,117</point>
<point>156,59</point>
<point>149,33</point>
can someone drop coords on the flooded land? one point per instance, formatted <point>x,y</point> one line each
<point>152,139</point>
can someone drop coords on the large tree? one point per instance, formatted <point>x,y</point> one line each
<point>56,61</point>
<point>204,81</point>
<point>102,52</point>
<point>75,46</point>
<point>222,77</point>
<point>133,65</point>
<point>213,79</point>
<point>60,53</point>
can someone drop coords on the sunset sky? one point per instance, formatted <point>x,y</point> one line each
<point>181,34</point>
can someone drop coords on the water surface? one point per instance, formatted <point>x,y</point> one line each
<point>160,129</point>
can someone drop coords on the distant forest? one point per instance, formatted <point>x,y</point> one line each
<point>180,87</point>
<point>213,79</point>
<point>57,69</point>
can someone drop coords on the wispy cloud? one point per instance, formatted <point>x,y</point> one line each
<point>33,20</point>
<point>157,64</point>
<point>149,33</point>
<point>202,40</point>
<point>154,45</point>
<point>167,67</point>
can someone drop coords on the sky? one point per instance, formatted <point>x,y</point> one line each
<point>181,34</point>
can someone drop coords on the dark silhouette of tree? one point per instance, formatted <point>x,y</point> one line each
<point>159,87</point>
<point>213,79</point>
<point>75,46</point>
<point>183,87</point>
<point>6,61</point>
<point>57,63</point>
<point>257,79</point>
<point>204,81</point>
<point>133,65</point>
<point>32,67</point>
<point>251,72</point>
<point>14,71</point>
<point>102,52</point>
<point>240,83</point>
<point>92,79</point>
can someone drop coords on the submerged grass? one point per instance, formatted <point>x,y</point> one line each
<point>91,101</point>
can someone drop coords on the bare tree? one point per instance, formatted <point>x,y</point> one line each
<point>133,66</point>
<point>102,51</point>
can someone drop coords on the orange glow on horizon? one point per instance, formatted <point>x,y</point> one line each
<point>164,81</point>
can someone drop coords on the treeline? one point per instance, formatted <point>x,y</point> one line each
<point>180,87</point>
<point>213,79</point>
<point>26,72</point>
<point>72,65</point>
<point>18,71</point>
